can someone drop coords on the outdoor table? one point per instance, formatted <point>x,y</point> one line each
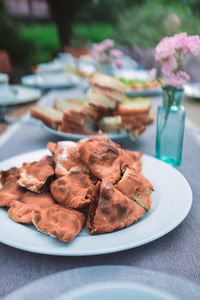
<point>176,253</point>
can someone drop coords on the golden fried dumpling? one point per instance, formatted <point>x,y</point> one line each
<point>111,210</point>
<point>131,159</point>
<point>10,190</point>
<point>103,158</point>
<point>73,190</point>
<point>134,185</point>
<point>57,221</point>
<point>66,157</point>
<point>35,175</point>
<point>20,211</point>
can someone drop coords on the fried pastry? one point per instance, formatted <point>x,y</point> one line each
<point>131,159</point>
<point>8,174</point>
<point>103,158</point>
<point>35,175</point>
<point>66,157</point>
<point>57,221</point>
<point>111,210</point>
<point>134,185</point>
<point>10,190</point>
<point>74,190</point>
<point>20,211</point>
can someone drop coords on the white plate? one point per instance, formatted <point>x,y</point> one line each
<point>50,81</point>
<point>21,95</point>
<point>192,90</point>
<point>172,201</point>
<point>76,137</point>
<point>116,290</point>
<point>66,284</point>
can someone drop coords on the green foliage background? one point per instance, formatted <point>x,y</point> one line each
<point>129,22</point>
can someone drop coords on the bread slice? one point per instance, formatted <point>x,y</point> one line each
<point>77,122</point>
<point>120,124</point>
<point>140,105</point>
<point>105,82</point>
<point>112,125</point>
<point>67,104</point>
<point>99,98</point>
<point>48,115</point>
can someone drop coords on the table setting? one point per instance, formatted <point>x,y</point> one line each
<point>155,257</point>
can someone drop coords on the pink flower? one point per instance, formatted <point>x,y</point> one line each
<point>116,53</point>
<point>178,79</point>
<point>165,48</point>
<point>193,44</point>
<point>152,75</point>
<point>108,43</point>
<point>169,66</point>
<point>173,17</point>
<point>118,63</point>
<point>180,41</point>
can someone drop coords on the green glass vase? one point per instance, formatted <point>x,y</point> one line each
<point>170,126</point>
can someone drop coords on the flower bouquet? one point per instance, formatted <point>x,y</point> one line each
<point>106,56</point>
<point>171,52</point>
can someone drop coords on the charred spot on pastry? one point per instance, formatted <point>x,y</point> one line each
<point>121,210</point>
<point>74,173</point>
<point>92,159</point>
<point>61,182</point>
<point>93,179</point>
<point>105,195</point>
<point>62,189</point>
<point>110,148</point>
<point>112,219</point>
<point>105,210</point>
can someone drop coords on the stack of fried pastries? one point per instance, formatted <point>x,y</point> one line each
<point>93,182</point>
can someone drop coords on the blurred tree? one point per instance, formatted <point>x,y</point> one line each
<point>63,12</point>
<point>104,10</point>
<point>10,39</point>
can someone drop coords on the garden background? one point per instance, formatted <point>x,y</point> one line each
<point>35,31</point>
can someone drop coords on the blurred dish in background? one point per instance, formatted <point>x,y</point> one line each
<point>16,94</point>
<point>62,285</point>
<point>136,83</point>
<point>192,90</point>
<point>50,81</point>
<point>104,111</point>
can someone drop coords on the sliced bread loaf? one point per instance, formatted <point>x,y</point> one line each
<point>48,115</point>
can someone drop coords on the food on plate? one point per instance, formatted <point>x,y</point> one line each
<point>74,190</point>
<point>48,115</point>
<point>93,182</point>
<point>64,105</point>
<point>77,122</point>
<point>134,107</point>
<point>66,157</point>
<point>105,110</point>
<point>139,84</point>
<point>59,222</point>
<point>103,158</point>
<point>109,89</point>
<point>134,185</point>
<point>10,190</point>
<point>131,159</point>
<point>112,210</point>
<point>35,175</point>
<point>21,210</point>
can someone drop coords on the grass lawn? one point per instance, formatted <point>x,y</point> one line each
<point>45,38</point>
